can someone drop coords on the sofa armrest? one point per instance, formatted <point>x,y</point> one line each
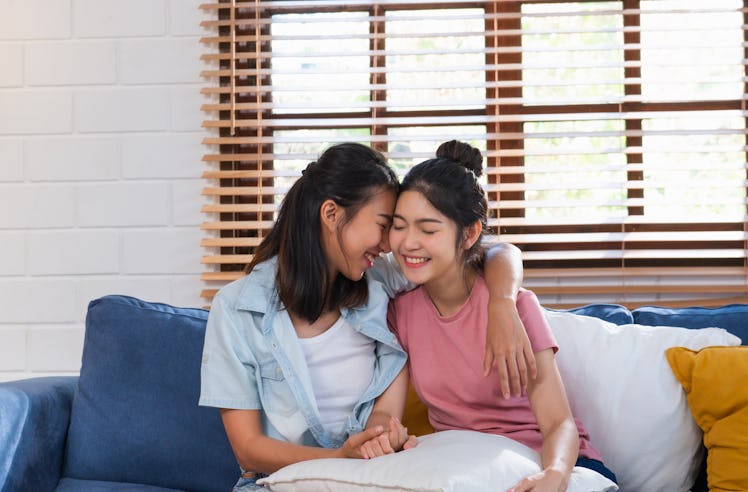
<point>34,418</point>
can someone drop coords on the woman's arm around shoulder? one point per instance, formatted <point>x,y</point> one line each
<point>507,345</point>
<point>387,272</point>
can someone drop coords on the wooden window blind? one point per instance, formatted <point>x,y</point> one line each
<point>614,132</point>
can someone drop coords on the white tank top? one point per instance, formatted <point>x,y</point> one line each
<point>341,366</point>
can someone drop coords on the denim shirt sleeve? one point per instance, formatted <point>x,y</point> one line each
<point>387,272</point>
<point>229,369</point>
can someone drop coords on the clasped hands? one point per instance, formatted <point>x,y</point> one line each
<point>378,441</point>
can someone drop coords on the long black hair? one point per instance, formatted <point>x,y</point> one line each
<point>450,184</point>
<point>350,174</point>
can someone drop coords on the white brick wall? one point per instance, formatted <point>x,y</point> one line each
<point>100,162</point>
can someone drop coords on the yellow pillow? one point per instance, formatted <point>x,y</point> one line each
<point>716,383</point>
<point>416,415</point>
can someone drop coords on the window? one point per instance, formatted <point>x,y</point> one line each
<point>613,132</point>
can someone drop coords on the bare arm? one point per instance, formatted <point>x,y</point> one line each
<point>391,403</point>
<point>257,452</point>
<point>505,260</point>
<point>387,412</point>
<point>560,435</point>
<point>507,345</point>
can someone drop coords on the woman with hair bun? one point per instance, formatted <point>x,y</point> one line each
<point>436,233</point>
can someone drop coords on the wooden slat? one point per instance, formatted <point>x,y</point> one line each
<point>623,221</point>
<point>230,242</point>
<point>236,225</point>
<point>226,259</point>
<point>238,208</point>
<point>535,273</point>
<point>221,276</point>
<point>208,294</point>
<point>631,289</point>
<point>244,191</point>
<point>641,236</point>
<point>250,174</point>
<point>632,254</point>
<point>254,157</point>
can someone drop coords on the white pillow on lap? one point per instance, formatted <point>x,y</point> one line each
<point>621,387</point>
<point>448,461</point>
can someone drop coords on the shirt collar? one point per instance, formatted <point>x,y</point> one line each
<point>258,292</point>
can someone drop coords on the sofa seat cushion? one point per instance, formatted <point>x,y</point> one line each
<point>135,415</point>
<point>75,485</point>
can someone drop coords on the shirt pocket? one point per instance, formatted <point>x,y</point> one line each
<point>277,397</point>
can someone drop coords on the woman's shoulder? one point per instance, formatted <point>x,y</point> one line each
<point>252,291</point>
<point>410,298</point>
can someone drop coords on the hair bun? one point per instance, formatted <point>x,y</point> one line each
<point>463,154</point>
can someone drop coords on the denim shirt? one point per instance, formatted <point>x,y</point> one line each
<point>252,358</point>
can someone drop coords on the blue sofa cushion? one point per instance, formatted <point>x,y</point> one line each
<point>135,416</point>
<point>76,485</point>
<point>613,313</point>
<point>34,415</point>
<point>731,317</point>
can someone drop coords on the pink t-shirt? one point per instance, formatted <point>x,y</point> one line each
<point>445,356</point>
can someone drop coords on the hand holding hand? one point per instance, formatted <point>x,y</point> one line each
<point>399,437</point>
<point>395,439</point>
<point>351,448</point>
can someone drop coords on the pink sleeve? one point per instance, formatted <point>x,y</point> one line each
<point>537,327</point>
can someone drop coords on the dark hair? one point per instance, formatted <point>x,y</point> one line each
<point>350,174</point>
<point>450,184</point>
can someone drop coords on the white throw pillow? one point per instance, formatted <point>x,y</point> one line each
<point>455,460</point>
<point>620,386</point>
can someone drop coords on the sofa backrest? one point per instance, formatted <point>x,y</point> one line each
<point>135,416</point>
<point>731,317</point>
<point>613,313</point>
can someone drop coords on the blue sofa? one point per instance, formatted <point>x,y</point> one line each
<point>130,421</point>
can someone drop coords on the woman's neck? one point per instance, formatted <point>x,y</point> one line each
<point>449,293</point>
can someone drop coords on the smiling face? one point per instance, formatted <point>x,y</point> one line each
<point>423,241</point>
<point>351,245</point>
